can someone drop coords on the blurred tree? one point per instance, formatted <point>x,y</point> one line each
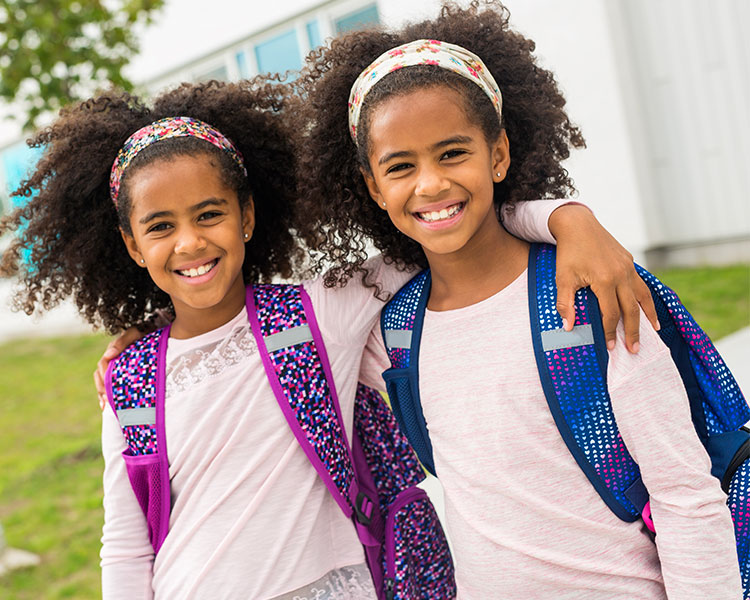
<point>53,52</point>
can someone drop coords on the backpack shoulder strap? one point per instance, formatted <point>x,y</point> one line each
<point>724,408</point>
<point>718,408</point>
<point>135,388</point>
<point>573,371</point>
<point>401,324</point>
<point>297,367</point>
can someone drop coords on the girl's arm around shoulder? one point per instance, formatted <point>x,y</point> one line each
<point>347,314</point>
<point>587,255</point>
<point>695,535</point>
<point>126,555</point>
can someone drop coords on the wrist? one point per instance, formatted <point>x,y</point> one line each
<point>568,218</point>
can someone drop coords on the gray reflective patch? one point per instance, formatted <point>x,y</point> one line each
<point>288,337</point>
<point>136,416</point>
<point>398,338</point>
<point>582,335</point>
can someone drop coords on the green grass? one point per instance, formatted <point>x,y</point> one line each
<point>50,463</point>
<point>718,297</point>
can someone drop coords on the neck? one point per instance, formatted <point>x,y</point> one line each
<point>191,321</point>
<point>488,263</point>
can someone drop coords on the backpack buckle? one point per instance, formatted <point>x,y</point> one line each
<point>363,508</point>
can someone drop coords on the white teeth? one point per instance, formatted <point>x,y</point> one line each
<point>445,213</point>
<point>196,272</point>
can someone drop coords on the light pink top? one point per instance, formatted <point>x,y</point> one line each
<point>250,517</point>
<point>523,519</point>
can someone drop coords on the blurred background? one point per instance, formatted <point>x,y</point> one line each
<point>660,88</point>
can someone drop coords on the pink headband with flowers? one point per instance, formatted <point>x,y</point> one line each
<point>163,129</point>
<point>422,52</point>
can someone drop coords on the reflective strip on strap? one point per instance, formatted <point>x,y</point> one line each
<point>137,416</point>
<point>288,337</point>
<point>581,335</point>
<point>398,338</point>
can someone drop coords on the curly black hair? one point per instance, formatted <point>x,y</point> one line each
<point>339,217</point>
<point>67,241</point>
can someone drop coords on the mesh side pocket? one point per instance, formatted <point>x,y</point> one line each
<point>145,478</point>
<point>738,501</point>
<point>417,557</point>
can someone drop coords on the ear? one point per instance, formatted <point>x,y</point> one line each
<point>500,151</point>
<point>373,189</point>
<point>132,247</point>
<point>248,219</point>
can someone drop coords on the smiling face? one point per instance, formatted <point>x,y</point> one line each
<point>189,231</point>
<point>433,170</point>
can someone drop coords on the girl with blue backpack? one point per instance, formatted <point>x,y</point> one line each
<point>434,128</point>
<point>187,205</point>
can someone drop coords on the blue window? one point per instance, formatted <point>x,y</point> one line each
<point>17,162</point>
<point>313,34</point>
<point>279,54</point>
<point>219,73</point>
<point>242,66</point>
<point>359,19</point>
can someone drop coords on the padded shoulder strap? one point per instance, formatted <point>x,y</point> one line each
<point>401,323</point>
<point>573,371</point>
<point>135,388</point>
<point>724,407</point>
<point>294,356</point>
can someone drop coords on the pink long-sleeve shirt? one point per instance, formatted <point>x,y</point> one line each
<point>523,519</point>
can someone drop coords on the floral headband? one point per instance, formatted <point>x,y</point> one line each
<point>163,129</point>
<point>422,52</point>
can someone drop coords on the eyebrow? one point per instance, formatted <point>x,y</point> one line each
<point>456,139</point>
<point>195,208</point>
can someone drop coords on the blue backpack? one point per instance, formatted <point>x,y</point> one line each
<point>573,371</point>
<point>373,480</point>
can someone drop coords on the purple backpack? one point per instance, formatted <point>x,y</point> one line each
<point>373,480</point>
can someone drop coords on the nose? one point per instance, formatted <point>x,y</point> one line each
<point>431,181</point>
<point>189,240</point>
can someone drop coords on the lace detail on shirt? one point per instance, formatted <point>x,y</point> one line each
<point>346,583</point>
<point>199,364</point>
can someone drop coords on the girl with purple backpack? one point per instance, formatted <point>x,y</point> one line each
<point>446,121</point>
<point>178,206</point>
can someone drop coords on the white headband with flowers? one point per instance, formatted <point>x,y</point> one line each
<point>422,52</point>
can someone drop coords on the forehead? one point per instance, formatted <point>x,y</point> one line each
<point>176,182</point>
<point>419,118</point>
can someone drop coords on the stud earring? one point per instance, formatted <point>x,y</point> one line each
<point>498,174</point>
<point>247,235</point>
<point>383,204</point>
<point>143,262</point>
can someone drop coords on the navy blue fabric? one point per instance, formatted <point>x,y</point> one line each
<point>402,384</point>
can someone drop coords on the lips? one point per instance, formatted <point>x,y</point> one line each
<point>442,214</point>
<point>197,271</point>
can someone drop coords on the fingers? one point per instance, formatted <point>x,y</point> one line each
<point>566,304</point>
<point>610,309</point>
<point>646,301</point>
<point>100,388</point>
<point>631,317</point>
